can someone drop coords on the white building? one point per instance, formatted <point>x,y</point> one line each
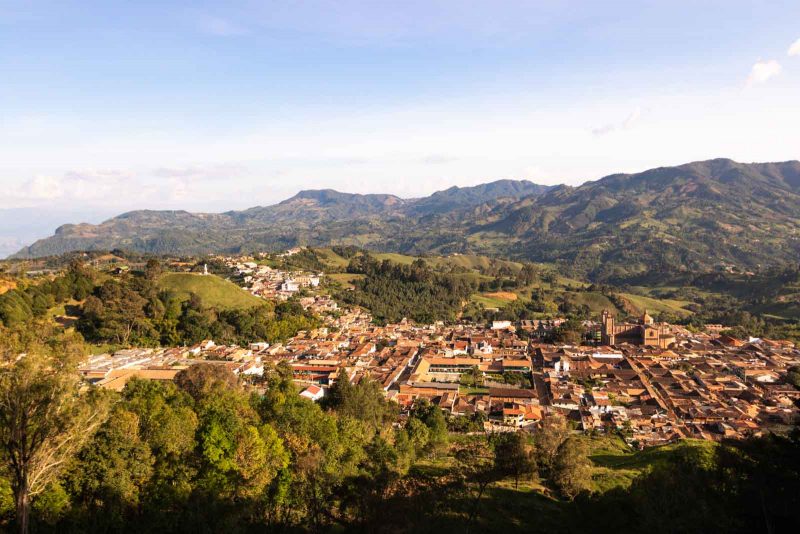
<point>290,285</point>
<point>313,393</point>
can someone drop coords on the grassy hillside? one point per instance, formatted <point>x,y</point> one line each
<point>652,305</point>
<point>597,302</point>
<point>346,279</point>
<point>615,465</point>
<point>330,258</point>
<point>402,259</point>
<point>508,508</point>
<point>213,290</point>
<point>473,262</point>
<point>492,300</point>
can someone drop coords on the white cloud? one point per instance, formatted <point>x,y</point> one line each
<point>222,171</point>
<point>85,186</point>
<point>794,50</point>
<point>220,27</point>
<point>629,122</point>
<point>763,71</point>
<point>40,188</point>
<point>92,187</point>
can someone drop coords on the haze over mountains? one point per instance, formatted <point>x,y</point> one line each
<point>694,217</point>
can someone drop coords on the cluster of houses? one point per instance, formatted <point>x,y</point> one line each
<point>113,371</point>
<point>703,386</point>
<point>264,281</point>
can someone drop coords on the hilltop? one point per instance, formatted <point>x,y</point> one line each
<point>673,221</point>
<point>213,290</point>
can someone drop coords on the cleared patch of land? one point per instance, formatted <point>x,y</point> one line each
<point>397,258</point>
<point>346,279</point>
<point>502,295</point>
<point>331,259</point>
<point>640,304</point>
<point>489,302</point>
<point>213,290</point>
<point>597,302</point>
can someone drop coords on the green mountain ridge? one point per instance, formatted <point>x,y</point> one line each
<point>701,216</point>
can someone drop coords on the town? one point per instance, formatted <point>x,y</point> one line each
<point>652,383</point>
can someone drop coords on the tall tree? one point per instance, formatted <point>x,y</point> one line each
<point>572,471</point>
<point>547,440</point>
<point>44,418</point>
<point>513,456</point>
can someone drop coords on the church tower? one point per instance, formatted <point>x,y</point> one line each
<point>607,336</point>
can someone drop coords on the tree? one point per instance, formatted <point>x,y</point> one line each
<point>112,471</point>
<point>419,435</point>
<point>572,471</point>
<point>527,275</point>
<point>364,401</point>
<point>473,377</point>
<point>199,379</point>
<point>116,313</point>
<point>153,269</point>
<point>547,440</point>
<point>570,332</point>
<point>432,416</point>
<point>513,456</point>
<point>477,468</point>
<point>44,419</point>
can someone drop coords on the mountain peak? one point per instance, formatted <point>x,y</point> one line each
<point>331,195</point>
<point>696,215</point>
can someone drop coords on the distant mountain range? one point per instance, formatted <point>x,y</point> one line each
<point>694,217</point>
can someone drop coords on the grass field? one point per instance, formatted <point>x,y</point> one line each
<point>788,308</point>
<point>213,290</point>
<point>489,302</point>
<point>470,261</point>
<point>331,259</point>
<point>652,305</point>
<point>477,390</point>
<point>617,466</point>
<point>397,258</point>
<point>597,302</point>
<point>65,314</point>
<point>346,279</point>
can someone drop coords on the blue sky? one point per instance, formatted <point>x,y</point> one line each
<point>110,106</point>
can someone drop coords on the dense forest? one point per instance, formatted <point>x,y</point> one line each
<point>393,291</point>
<point>207,454</point>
